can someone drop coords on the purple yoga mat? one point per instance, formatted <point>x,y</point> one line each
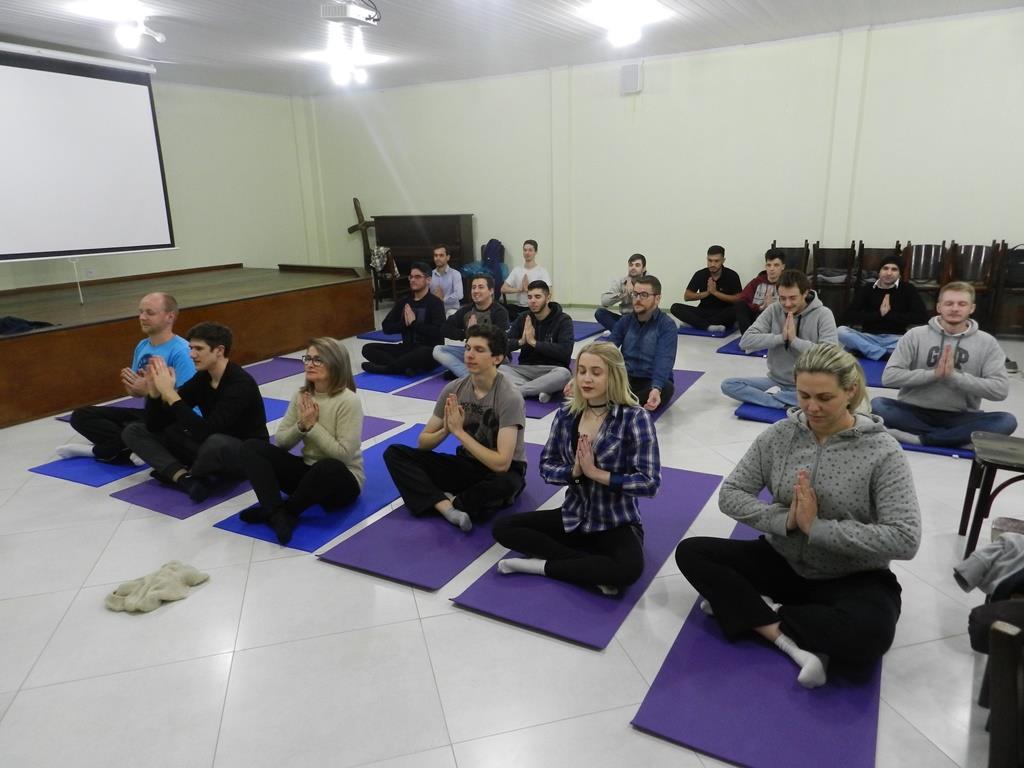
<point>167,500</point>
<point>428,552</point>
<point>740,702</point>
<point>274,369</point>
<point>585,616</point>
<point>535,409</point>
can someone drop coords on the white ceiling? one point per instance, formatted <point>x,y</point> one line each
<point>256,45</point>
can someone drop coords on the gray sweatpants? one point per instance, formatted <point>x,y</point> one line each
<point>531,380</point>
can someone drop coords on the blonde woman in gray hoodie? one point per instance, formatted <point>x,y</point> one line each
<point>817,583</point>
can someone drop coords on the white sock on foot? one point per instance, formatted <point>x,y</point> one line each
<point>705,608</point>
<point>72,450</point>
<point>137,460</point>
<point>771,603</point>
<point>812,666</point>
<point>609,591</point>
<point>532,565</point>
<point>459,518</point>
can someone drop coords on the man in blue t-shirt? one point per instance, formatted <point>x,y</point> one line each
<point>102,424</point>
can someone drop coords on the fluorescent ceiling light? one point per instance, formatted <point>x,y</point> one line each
<point>624,19</point>
<point>338,51</point>
<point>111,10</point>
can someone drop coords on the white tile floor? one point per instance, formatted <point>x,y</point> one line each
<point>280,660</point>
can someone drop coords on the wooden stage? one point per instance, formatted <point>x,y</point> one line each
<point>271,311</point>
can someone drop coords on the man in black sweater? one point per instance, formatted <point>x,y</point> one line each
<point>544,337</point>
<point>884,310</point>
<point>187,449</point>
<point>484,310</point>
<point>717,288</point>
<point>418,317</point>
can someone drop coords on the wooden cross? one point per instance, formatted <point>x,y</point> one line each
<point>363,227</point>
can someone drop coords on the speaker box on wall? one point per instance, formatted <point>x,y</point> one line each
<point>631,79</point>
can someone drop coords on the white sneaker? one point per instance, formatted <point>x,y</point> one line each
<point>716,328</point>
<point>74,450</point>
<point>544,397</point>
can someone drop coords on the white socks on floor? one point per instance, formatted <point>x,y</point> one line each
<point>532,565</point>
<point>73,450</point>
<point>812,666</point>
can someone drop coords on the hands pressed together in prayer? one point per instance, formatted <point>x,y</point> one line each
<point>803,510</point>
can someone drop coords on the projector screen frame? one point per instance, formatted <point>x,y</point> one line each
<point>87,66</point>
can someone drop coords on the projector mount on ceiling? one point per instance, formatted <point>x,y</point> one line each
<point>362,14</point>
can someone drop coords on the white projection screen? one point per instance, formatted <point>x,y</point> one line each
<point>80,165</point>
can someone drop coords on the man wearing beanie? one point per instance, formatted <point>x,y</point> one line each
<point>884,310</point>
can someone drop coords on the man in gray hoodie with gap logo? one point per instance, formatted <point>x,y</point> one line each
<point>789,326</point>
<point>944,369</point>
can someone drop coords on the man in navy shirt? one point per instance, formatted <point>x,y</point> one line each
<point>717,288</point>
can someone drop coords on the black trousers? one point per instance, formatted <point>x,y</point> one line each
<point>613,558</point>
<point>422,477</point>
<point>702,318</point>
<point>102,425</point>
<point>850,618</point>
<point>173,449</point>
<point>272,470</point>
<point>745,316</point>
<point>400,357</point>
<point>642,389</point>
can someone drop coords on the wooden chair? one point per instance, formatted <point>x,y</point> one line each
<point>832,275</point>
<point>869,261</point>
<point>1006,696</point>
<point>796,256</point>
<point>992,452</point>
<point>927,268</point>
<point>975,264</point>
<point>1009,293</point>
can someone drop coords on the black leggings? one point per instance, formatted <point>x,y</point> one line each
<point>851,618</point>
<point>271,470</point>
<point>401,357</point>
<point>422,477</point>
<point>613,558</point>
<point>642,389</point>
<point>102,426</point>
<point>702,318</point>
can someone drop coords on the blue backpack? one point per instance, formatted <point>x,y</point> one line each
<point>494,260</point>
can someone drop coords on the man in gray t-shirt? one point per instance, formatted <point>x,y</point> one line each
<point>485,414</point>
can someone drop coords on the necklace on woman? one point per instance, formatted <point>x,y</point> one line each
<point>598,409</point>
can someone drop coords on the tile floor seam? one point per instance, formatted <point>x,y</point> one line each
<point>437,686</point>
<point>123,671</point>
<point>231,664</point>
<point>322,635</point>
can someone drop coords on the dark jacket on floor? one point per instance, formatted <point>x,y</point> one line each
<point>555,338</point>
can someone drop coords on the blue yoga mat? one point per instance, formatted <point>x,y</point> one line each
<point>584,329</point>
<point>687,331</point>
<point>388,382</point>
<point>317,526</point>
<point>872,371</point>
<point>751,412</point>
<point>379,336</point>
<point>733,348</point>
<point>955,453</point>
<point>85,470</point>
<point>740,702</point>
<point>585,616</point>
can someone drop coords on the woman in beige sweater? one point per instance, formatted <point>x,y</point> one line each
<point>327,417</point>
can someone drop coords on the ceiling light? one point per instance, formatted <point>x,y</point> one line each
<point>624,19</point>
<point>347,61</point>
<point>128,35</point>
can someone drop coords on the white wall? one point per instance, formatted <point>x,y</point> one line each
<point>235,184</point>
<point>909,131</point>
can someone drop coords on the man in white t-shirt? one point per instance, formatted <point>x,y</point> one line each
<point>516,285</point>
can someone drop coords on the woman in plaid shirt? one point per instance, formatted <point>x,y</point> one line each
<point>604,448</point>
